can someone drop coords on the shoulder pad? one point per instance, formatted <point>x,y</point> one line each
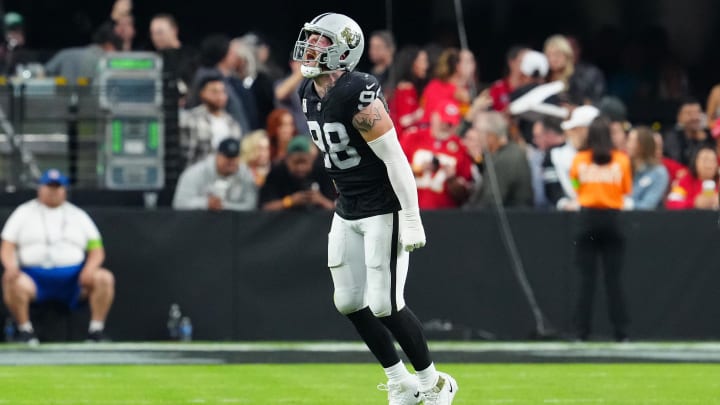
<point>361,89</point>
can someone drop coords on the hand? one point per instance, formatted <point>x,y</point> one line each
<point>214,203</point>
<point>572,205</point>
<point>319,199</point>
<point>706,201</point>
<point>449,170</point>
<point>10,275</point>
<point>412,234</point>
<point>412,118</point>
<point>462,94</point>
<point>481,103</point>
<point>301,198</point>
<point>315,197</point>
<point>407,120</point>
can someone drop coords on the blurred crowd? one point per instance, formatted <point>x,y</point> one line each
<point>472,145</point>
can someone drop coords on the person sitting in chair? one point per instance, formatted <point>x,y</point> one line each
<point>52,251</point>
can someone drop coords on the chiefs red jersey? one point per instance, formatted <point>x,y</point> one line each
<point>500,94</point>
<point>676,170</point>
<point>404,102</point>
<point>433,162</point>
<point>435,93</point>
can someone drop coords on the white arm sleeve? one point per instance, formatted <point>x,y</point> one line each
<point>388,149</point>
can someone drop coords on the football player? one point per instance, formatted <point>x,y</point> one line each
<point>377,220</point>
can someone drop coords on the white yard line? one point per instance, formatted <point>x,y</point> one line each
<point>222,353</point>
<point>360,347</point>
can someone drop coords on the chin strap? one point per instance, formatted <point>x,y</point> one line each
<point>310,72</point>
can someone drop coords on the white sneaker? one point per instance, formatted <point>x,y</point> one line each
<point>443,392</point>
<point>403,393</point>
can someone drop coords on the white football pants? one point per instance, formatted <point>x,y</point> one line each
<point>368,266</point>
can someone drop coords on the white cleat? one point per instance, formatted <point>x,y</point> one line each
<point>442,393</point>
<point>403,393</point>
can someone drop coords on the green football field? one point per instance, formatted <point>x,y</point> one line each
<point>355,384</point>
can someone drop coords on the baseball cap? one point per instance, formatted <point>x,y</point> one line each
<point>613,108</point>
<point>534,62</point>
<point>54,176</point>
<point>229,147</point>
<point>299,143</point>
<point>582,116</point>
<point>449,112</point>
<point>209,78</point>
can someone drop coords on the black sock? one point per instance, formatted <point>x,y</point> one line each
<point>376,337</point>
<point>408,331</point>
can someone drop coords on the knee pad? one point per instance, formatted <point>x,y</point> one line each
<point>349,300</point>
<point>379,303</point>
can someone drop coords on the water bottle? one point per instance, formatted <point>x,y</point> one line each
<point>9,329</point>
<point>173,323</point>
<point>186,329</point>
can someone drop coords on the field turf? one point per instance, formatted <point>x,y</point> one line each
<point>355,384</point>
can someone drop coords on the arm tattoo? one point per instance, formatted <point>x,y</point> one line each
<point>364,121</point>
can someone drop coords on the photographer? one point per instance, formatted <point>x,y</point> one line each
<point>296,182</point>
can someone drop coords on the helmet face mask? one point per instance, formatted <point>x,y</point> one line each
<point>331,42</point>
<point>312,56</point>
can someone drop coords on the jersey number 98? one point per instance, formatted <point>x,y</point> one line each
<point>338,151</point>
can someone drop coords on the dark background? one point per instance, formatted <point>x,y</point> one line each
<point>263,276</point>
<point>226,280</point>
<point>613,32</point>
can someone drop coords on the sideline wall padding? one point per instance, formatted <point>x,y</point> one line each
<point>254,276</point>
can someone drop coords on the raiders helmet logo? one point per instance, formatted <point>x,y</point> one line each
<point>352,38</point>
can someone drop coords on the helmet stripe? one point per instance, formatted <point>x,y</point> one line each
<point>318,18</point>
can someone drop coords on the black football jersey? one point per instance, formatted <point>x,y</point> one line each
<point>360,177</point>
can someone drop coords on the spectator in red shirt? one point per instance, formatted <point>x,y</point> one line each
<point>698,189</point>
<point>454,74</point>
<point>501,89</point>
<point>410,71</point>
<point>440,161</point>
<point>675,169</point>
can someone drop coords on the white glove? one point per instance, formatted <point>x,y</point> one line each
<point>412,234</point>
